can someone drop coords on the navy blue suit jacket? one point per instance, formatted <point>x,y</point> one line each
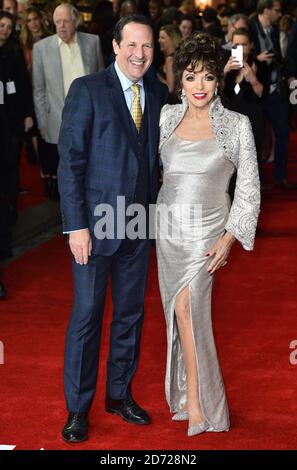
<point>98,154</point>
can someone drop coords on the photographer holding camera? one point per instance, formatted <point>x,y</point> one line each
<point>265,32</point>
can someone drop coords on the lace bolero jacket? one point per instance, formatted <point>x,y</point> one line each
<point>234,136</point>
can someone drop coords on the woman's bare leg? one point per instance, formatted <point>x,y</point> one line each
<point>182,312</point>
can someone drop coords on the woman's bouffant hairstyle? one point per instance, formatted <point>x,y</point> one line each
<point>200,49</point>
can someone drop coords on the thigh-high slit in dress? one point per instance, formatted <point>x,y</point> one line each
<point>196,177</point>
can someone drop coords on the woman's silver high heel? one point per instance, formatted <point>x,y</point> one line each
<point>181,416</point>
<point>197,429</point>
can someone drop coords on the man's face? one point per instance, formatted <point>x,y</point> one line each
<point>10,7</point>
<point>20,11</point>
<point>240,23</point>
<point>154,10</point>
<point>275,12</point>
<point>135,52</point>
<point>224,23</point>
<point>65,24</point>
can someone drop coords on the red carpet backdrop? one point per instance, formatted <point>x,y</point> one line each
<point>254,314</point>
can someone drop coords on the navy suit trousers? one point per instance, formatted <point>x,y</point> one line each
<point>128,268</point>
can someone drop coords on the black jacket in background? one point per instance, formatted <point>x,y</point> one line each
<point>278,64</point>
<point>19,105</point>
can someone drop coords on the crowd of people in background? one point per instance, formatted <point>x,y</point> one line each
<point>41,54</point>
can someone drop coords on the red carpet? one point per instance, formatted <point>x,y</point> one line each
<point>30,179</point>
<point>254,312</point>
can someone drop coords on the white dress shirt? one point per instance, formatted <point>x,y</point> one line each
<point>126,86</point>
<point>72,64</point>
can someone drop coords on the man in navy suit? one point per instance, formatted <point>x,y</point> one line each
<point>108,147</point>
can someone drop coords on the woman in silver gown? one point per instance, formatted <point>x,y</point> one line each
<point>201,145</point>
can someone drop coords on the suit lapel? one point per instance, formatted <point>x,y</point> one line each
<point>120,106</point>
<point>152,106</point>
<point>56,66</point>
<point>84,50</point>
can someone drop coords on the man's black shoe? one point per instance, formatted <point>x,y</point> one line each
<point>76,427</point>
<point>128,410</point>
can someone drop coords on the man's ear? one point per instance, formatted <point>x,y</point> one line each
<point>78,22</point>
<point>115,46</point>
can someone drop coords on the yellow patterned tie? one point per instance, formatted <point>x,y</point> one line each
<point>136,106</point>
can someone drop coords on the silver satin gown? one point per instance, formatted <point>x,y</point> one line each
<point>195,173</point>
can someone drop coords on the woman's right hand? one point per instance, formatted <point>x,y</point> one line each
<point>232,64</point>
<point>249,73</point>
<point>220,252</point>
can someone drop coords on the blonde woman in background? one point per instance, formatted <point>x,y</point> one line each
<point>32,30</point>
<point>169,39</point>
<point>187,7</point>
<point>286,25</point>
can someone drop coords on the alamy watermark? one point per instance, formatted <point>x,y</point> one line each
<point>293,355</point>
<point>135,221</point>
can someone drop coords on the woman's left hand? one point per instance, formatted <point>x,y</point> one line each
<point>28,123</point>
<point>220,251</point>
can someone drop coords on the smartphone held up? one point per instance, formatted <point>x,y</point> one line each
<point>237,53</point>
